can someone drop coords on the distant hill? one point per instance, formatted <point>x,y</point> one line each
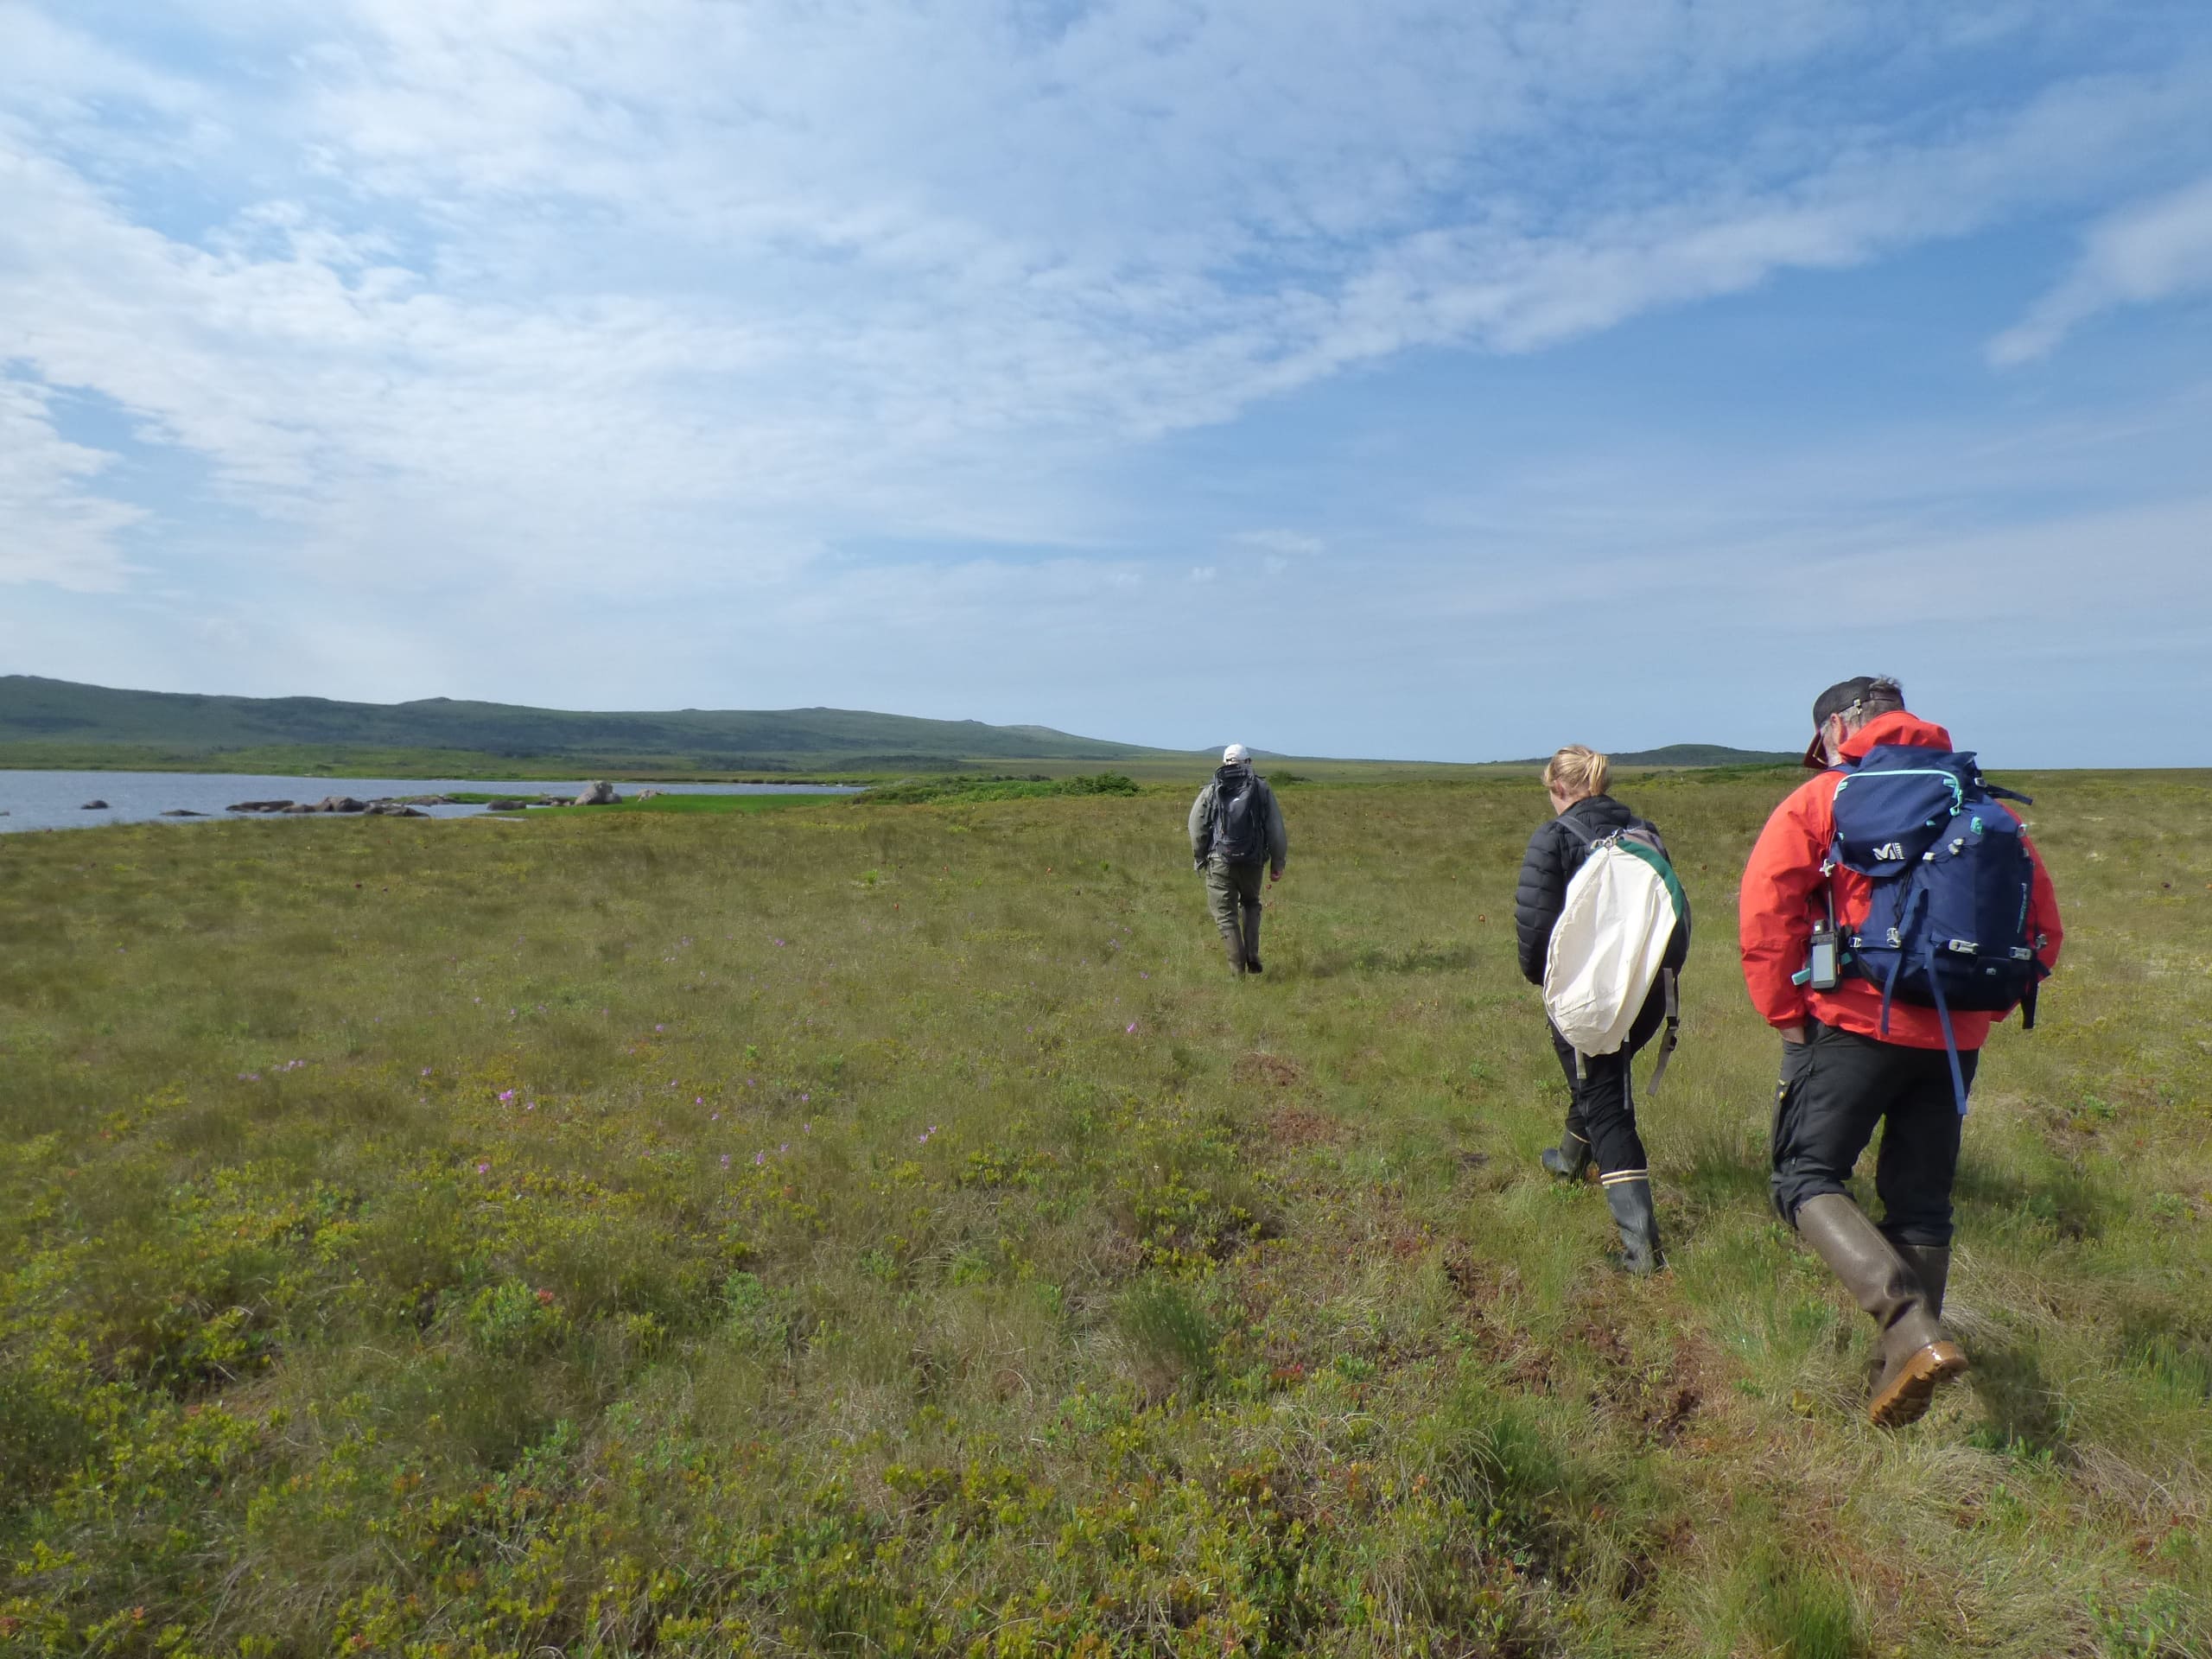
<point>1706,755</point>
<point>1689,754</point>
<point>43,719</point>
<point>59,723</point>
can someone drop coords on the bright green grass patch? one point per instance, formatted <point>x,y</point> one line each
<point>958,790</point>
<point>891,1232</point>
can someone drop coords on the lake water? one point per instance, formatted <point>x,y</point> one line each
<point>55,800</point>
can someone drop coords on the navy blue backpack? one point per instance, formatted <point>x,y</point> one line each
<point>1947,922</point>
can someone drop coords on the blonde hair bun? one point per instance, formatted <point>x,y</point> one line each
<point>1578,772</point>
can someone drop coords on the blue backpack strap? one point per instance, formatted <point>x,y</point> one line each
<point>1913,906</point>
<point>1950,1042</point>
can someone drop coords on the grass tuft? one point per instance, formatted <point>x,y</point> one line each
<point>892,1232</point>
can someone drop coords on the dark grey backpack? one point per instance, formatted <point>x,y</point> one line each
<point>1240,821</point>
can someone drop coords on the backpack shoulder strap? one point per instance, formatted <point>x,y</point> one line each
<point>1575,829</point>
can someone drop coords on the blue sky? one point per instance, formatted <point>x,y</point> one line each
<point>1450,381</point>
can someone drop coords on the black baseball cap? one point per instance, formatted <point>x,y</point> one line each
<point>1839,699</point>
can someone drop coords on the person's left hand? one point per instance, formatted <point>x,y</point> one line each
<point>1274,876</point>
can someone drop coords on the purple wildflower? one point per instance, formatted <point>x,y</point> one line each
<point>483,1169</point>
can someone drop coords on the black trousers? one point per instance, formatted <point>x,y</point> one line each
<point>1603,1108</point>
<point>1836,1088</point>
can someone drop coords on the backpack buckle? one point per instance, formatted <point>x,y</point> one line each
<point>1964,947</point>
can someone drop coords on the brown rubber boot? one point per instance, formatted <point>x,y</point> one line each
<point>1932,1262</point>
<point>1233,943</point>
<point>1915,1356</point>
<point>1252,937</point>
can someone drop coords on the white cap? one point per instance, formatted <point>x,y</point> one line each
<point>1235,755</point>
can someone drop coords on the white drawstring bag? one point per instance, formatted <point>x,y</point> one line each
<point>1609,946</point>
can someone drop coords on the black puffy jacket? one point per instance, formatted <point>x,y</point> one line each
<point>1555,854</point>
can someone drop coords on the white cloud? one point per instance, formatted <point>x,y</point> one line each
<point>2152,251</point>
<point>54,526</point>
<point>1283,541</point>
<point>536,308</point>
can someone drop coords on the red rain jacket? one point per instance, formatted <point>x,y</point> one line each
<point>1782,896</point>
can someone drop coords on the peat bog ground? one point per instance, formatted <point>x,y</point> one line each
<point>887,1229</point>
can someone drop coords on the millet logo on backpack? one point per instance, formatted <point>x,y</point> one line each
<point>1888,850</point>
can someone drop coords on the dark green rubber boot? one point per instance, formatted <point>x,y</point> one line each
<point>1628,1195</point>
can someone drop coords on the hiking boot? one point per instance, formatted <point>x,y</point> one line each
<point>1628,1195</point>
<point>1252,941</point>
<point>1914,1355</point>
<point>1570,1160</point>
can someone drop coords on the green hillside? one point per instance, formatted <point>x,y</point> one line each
<point>56,722</point>
<point>62,724</point>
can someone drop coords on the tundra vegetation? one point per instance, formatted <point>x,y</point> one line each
<point>888,1230</point>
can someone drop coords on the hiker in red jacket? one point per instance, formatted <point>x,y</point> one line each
<point>1851,1063</point>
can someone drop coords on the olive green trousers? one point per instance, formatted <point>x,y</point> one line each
<point>1233,895</point>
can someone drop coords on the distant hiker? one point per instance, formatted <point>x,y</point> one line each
<point>1892,909</point>
<point>1236,831</point>
<point>1606,939</point>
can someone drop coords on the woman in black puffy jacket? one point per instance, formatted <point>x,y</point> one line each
<point>1601,1112</point>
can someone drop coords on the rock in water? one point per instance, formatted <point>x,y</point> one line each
<point>504,806</point>
<point>598,794</point>
<point>183,812</point>
<point>259,806</point>
<point>95,806</point>
<point>340,804</point>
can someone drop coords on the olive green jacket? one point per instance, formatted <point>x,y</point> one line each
<point>1202,824</point>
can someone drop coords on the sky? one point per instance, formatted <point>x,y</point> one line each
<point>1448,381</point>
